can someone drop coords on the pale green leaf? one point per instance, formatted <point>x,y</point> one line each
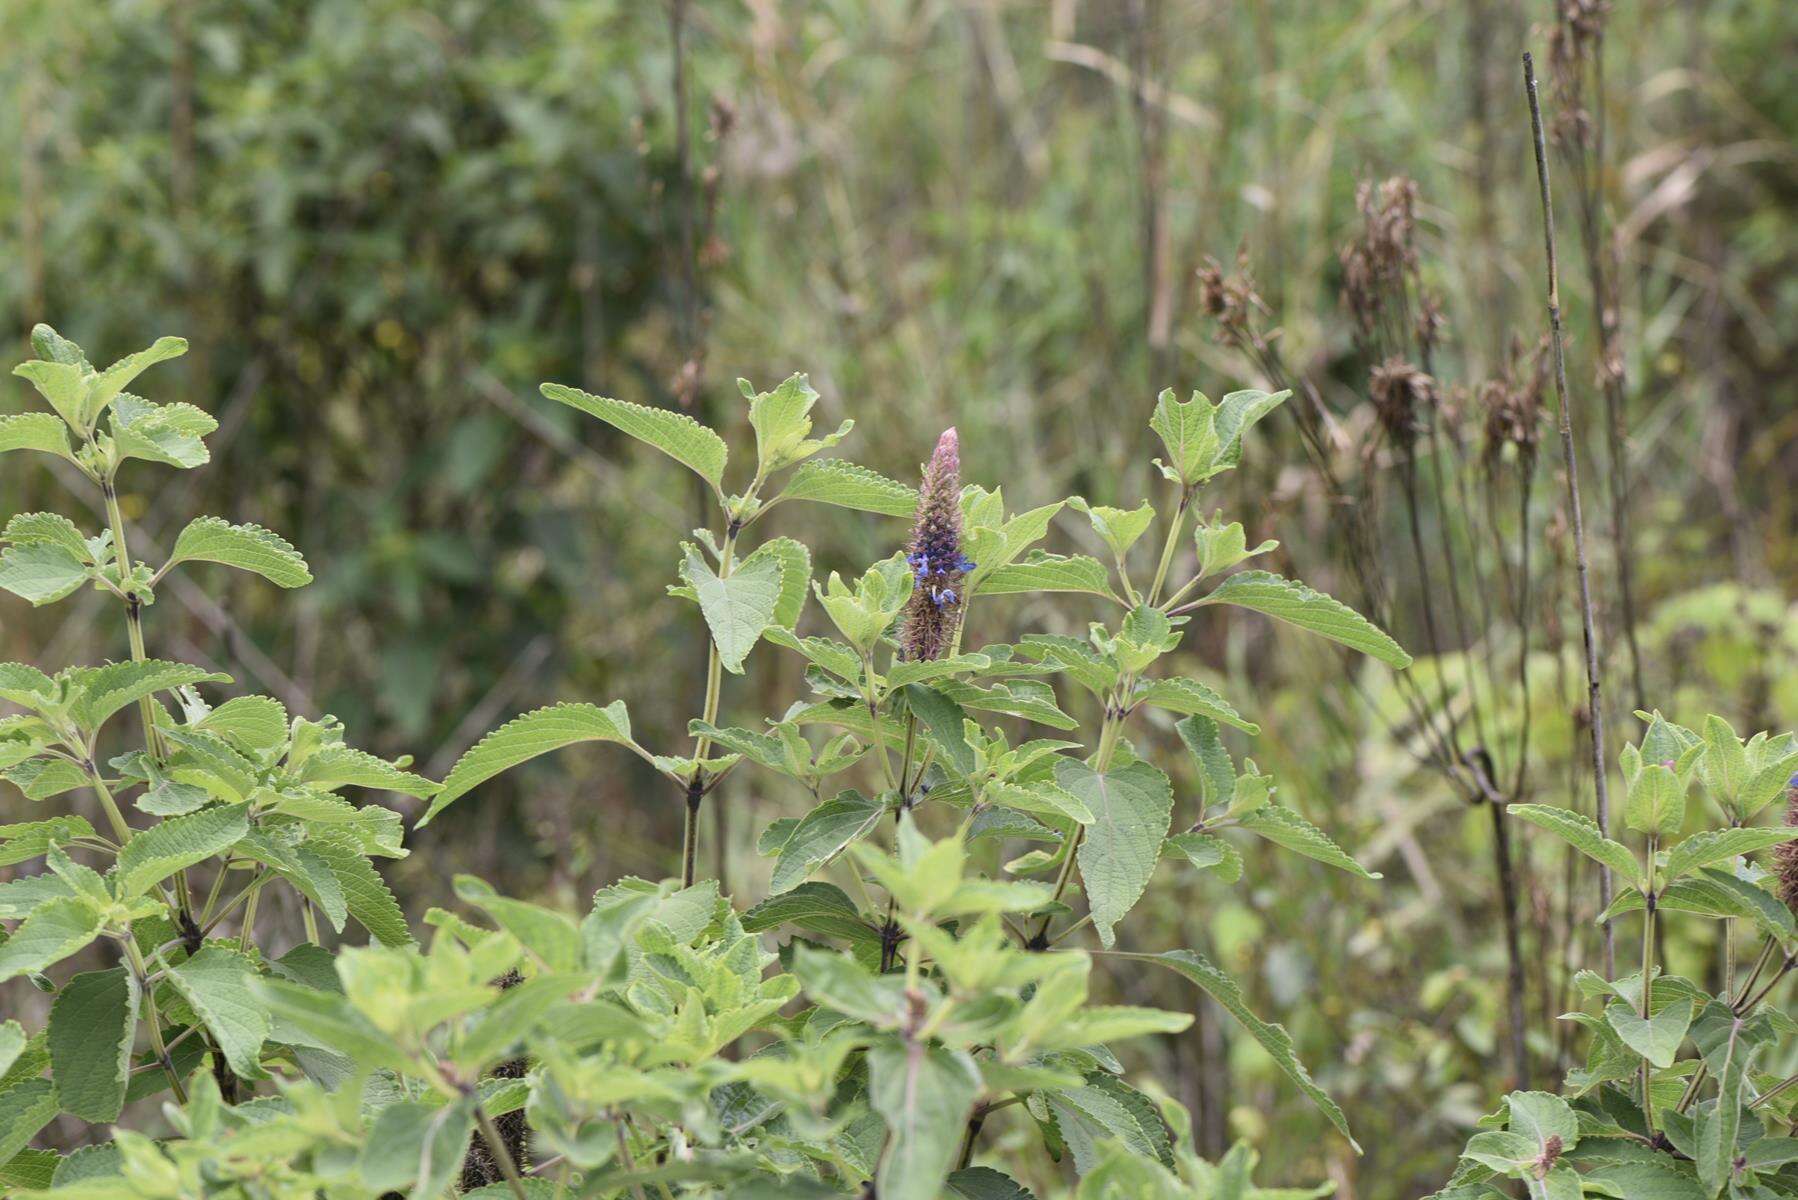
<point>55,930</point>
<point>1131,808</point>
<point>1192,698</point>
<point>1578,831</point>
<point>218,985</point>
<point>332,767</point>
<point>1040,571</point>
<point>365,895</point>
<point>526,737</point>
<point>822,834</point>
<point>1658,1038</point>
<point>924,1094</point>
<point>847,485</point>
<point>795,577</point>
<point>677,435</point>
<point>1187,431</point>
<point>246,547</point>
<point>175,844</point>
<point>1295,603</point>
<point>35,431</point>
<point>105,690</point>
<point>170,434</point>
<point>1286,828</point>
<point>737,607</point>
<point>41,572</point>
<point>1720,845</point>
<point>1272,1038</point>
<point>53,528</point>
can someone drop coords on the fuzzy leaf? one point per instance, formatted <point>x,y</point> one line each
<point>170,434</point>
<point>41,572</point>
<point>739,607</point>
<point>1578,831</point>
<point>1658,1038</point>
<point>822,834</point>
<point>1192,698</point>
<point>1131,808</point>
<point>847,485</point>
<point>1286,828</point>
<point>524,738</point>
<point>55,930</point>
<point>1296,604</point>
<point>1207,853</point>
<point>795,577</point>
<point>677,435</point>
<point>1272,1038</point>
<point>217,984</point>
<point>365,895</point>
<point>815,908</point>
<point>27,840</point>
<point>106,690</point>
<point>246,547</point>
<point>332,767</point>
<point>924,1094</point>
<point>1041,571</point>
<point>179,842</point>
<point>92,1025</point>
<point>1187,431</point>
<point>47,527</point>
<point>1719,845</point>
<point>35,431</point>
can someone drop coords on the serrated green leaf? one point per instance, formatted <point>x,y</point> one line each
<point>1040,571</point>
<point>217,984</point>
<point>1236,414</point>
<point>1272,1038</point>
<point>330,1019</point>
<point>677,435</point>
<point>29,1169</point>
<point>1187,431</point>
<point>42,778</point>
<point>106,690</point>
<point>1719,845</point>
<point>1131,808</point>
<point>1579,832</point>
<point>26,840</point>
<point>171,434</point>
<point>259,722</point>
<point>54,930</point>
<point>1192,698</point>
<point>924,1094</point>
<point>984,1183</point>
<point>1296,604</point>
<point>332,767</point>
<point>737,607</point>
<point>41,572</point>
<point>25,1108</point>
<point>1207,853</point>
<point>1286,828</point>
<point>246,547</point>
<point>816,908</point>
<point>106,385</point>
<point>92,1026</point>
<point>1656,801</point>
<point>53,528</point>
<point>524,738</point>
<point>822,834</point>
<point>1118,528</point>
<point>12,1044</point>
<point>365,894</point>
<point>1658,1038</point>
<point>795,577</point>
<point>154,854</point>
<point>847,485</point>
<point>35,431</point>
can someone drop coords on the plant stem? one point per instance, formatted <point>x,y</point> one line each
<point>1648,920</point>
<point>1570,462</point>
<point>496,1145</point>
<point>151,1017</point>
<point>113,816</point>
<point>714,687</point>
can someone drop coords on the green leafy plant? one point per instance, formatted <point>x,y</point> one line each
<point>854,1032</point>
<point>1686,1089</point>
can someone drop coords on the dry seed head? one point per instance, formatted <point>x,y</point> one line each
<point>1785,855</point>
<point>1400,393</point>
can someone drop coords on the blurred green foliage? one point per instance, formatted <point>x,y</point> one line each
<point>382,222</point>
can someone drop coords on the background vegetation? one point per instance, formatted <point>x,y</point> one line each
<point>381,223</point>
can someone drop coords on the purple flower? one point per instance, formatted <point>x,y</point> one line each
<point>935,556</point>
